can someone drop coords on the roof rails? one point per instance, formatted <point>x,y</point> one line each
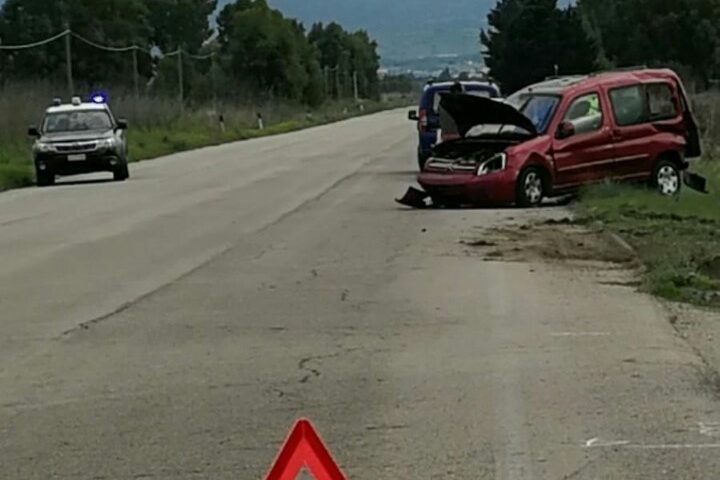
<point>563,77</point>
<point>620,69</point>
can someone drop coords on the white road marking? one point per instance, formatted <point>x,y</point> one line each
<point>674,446</point>
<point>709,429</point>
<point>597,443</point>
<point>581,334</point>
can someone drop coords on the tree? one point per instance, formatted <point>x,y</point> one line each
<point>23,21</point>
<point>526,39</point>
<point>260,52</point>
<point>267,52</point>
<point>682,33</point>
<point>181,23</point>
<point>348,54</point>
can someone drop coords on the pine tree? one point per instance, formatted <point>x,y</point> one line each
<point>526,39</point>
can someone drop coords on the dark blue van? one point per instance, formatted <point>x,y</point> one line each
<point>428,116</point>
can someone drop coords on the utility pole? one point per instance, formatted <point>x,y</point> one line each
<point>355,86</point>
<point>180,80</point>
<point>68,60</point>
<point>337,81</point>
<point>136,73</point>
<point>213,80</point>
<point>327,80</point>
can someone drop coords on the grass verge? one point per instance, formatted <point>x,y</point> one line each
<point>676,239</point>
<point>196,130</point>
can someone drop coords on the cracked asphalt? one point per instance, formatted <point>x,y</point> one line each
<point>175,326</point>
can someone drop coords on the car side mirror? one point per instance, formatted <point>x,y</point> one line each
<point>412,115</point>
<point>122,124</point>
<point>565,130</point>
<point>34,132</point>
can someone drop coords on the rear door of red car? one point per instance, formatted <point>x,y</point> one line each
<point>587,155</point>
<point>643,113</point>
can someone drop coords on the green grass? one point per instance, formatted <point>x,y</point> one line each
<point>160,136</point>
<point>677,239</point>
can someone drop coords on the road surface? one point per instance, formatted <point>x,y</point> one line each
<point>175,326</point>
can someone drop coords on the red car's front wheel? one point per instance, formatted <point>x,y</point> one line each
<point>531,187</point>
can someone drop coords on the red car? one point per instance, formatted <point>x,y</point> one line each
<point>553,137</point>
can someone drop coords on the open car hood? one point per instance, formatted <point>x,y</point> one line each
<point>468,111</point>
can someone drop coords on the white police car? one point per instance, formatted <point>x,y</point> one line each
<point>80,137</point>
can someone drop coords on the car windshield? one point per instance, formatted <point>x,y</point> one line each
<point>478,92</point>
<point>77,121</point>
<point>539,109</point>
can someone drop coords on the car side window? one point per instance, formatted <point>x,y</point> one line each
<point>479,93</point>
<point>585,113</point>
<point>436,102</point>
<point>628,105</point>
<point>661,102</point>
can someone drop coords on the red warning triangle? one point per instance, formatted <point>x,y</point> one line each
<point>304,448</point>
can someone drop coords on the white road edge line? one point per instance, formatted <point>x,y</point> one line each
<point>671,446</point>
<point>595,443</point>
<point>581,334</point>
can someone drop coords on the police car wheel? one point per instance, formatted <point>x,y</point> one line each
<point>121,173</point>
<point>44,178</point>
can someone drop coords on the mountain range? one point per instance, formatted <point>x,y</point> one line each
<point>404,29</point>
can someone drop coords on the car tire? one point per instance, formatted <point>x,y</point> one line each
<point>121,173</point>
<point>531,187</point>
<point>666,178</point>
<point>44,178</point>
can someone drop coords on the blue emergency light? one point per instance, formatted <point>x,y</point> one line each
<point>100,98</point>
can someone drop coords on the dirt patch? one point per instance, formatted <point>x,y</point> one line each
<point>700,327</point>
<point>554,240</point>
<point>478,243</point>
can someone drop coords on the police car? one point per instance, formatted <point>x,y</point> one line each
<point>80,137</point>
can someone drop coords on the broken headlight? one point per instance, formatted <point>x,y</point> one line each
<point>494,164</point>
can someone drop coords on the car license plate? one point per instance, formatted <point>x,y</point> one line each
<point>77,158</point>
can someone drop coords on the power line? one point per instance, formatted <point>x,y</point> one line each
<point>104,47</point>
<point>99,46</point>
<point>199,57</point>
<point>68,35</point>
<point>36,44</point>
<point>189,55</point>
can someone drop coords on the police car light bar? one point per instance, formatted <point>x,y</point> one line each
<point>100,98</point>
<point>57,101</point>
<point>76,101</point>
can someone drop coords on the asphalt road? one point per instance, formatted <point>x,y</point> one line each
<point>175,326</point>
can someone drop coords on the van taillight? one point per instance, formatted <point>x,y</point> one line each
<point>423,123</point>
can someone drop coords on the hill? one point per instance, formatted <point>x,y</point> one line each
<point>405,29</point>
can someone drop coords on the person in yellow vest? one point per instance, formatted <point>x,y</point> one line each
<point>594,106</point>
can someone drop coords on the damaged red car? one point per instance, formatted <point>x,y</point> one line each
<point>553,137</point>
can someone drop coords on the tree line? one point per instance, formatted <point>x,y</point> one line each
<point>529,40</point>
<point>253,49</point>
